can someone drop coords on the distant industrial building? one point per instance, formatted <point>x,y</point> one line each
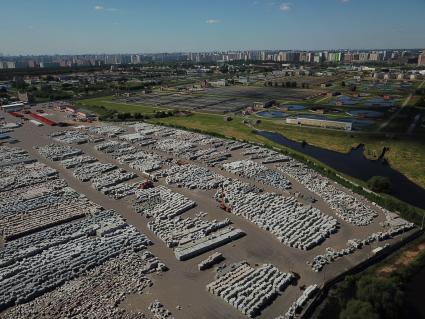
<point>218,83</point>
<point>14,107</point>
<point>265,104</point>
<point>325,123</point>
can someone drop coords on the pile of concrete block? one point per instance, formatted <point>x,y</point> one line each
<point>294,224</point>
<point>13,155</point>
<point>161,202</point>
<point>140,139</point>
<point>126,273</point>
<point>210,156</point>
<point>159,311</point>
<point>211,261</point>
<point>192,176</point>
<point>57,152</point>
<point>174,146</point>
<point>250,289</point>
<point>190,237</point>
<point>77,161</point>
<point>105,130</point>
<point>115,148</point>
<point>87,172</point>
<point>22,175</point>
<point>258,172</point>
<point>70,137</point>
<point>149,129</point>
<point>267,156</point>
<point>345,204</point>
<point>31,275</point>
<point>121,190</point>
<point>296,307</point>
<point>20,217</point>
<point>111,178</point>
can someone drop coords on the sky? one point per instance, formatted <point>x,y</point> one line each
<point>151,26</point>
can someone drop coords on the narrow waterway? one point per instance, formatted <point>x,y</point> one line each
<point>356,165</point>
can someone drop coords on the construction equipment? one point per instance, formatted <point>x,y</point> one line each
<point>147,184</point>
<point>223,205</point>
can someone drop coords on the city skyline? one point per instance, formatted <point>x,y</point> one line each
<point>110,27</point>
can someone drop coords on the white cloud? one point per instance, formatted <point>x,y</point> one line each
<point>102,8</point>
<point>286,6</point>
<point>213,21</point>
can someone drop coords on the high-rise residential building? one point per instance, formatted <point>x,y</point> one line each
<point>136,59</point>
<point>421,58</point>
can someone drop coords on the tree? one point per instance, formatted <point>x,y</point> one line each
<point>385,296</point>
<point>357,309</point>
<point>379,184</point>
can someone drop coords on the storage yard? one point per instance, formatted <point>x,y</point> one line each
<point>133,220</point>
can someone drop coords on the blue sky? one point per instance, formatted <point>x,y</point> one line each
<point>126,26</point>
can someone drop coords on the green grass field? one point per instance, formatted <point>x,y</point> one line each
<point>109,103</point>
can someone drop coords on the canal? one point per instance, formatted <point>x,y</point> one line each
<point>356,165</point>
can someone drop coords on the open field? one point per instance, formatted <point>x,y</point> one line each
<point>110,104</point>
<point>268,238</point>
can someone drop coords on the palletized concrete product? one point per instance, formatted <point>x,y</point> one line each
<point>214,240</point>
<point>159,311</point>
<point>13,155</point>
<point>89,171</point>
<point>294,224</point>
<point>111,178</point>
<point>138,138</point>
<point>115,148</point>
<point>192,176</point>
<point>57,152</point>
<point>77,161</point>
<point>211,261</point>
<point>105,130</point>
<point>121,190</point>
<point>126,273</point>
<point>191,237</point>
<point>258,172</point>
<point>249,289</point>
<point>21,175</point>
<point>70,137</point>
<point>345,204</point>
<point>173,146</point>
<point>266,155</point>
<point>161,202</point>
<point>29,276</point>
<point>299,303</point>
<point>22,217</point>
